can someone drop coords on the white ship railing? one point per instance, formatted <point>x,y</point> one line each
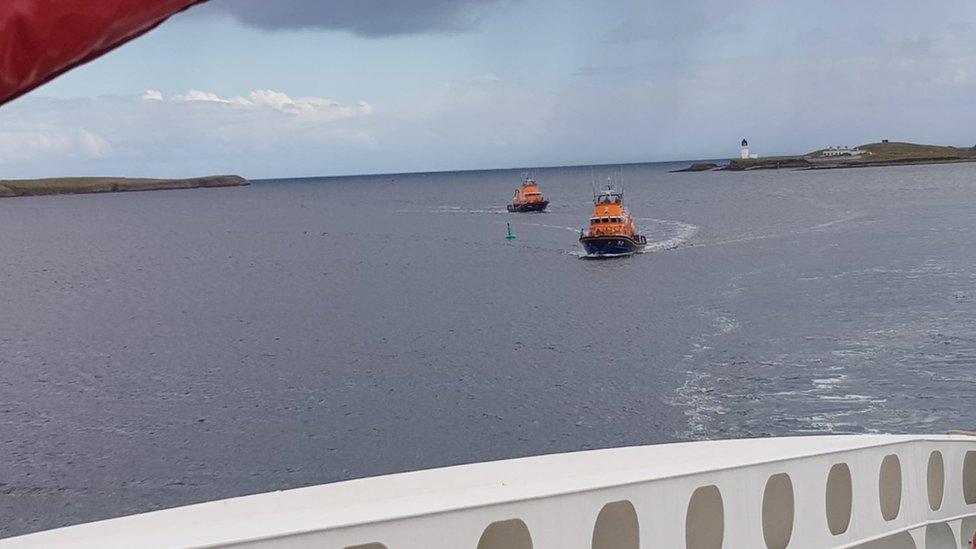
<point>870,491</point>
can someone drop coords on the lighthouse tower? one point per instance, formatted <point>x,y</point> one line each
<point>745,149</point>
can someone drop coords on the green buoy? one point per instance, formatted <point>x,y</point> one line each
<point>510,235</point>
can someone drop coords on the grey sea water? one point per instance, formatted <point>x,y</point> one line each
<point>166,348</point>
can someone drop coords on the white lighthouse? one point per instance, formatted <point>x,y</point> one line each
<point>745,149</point>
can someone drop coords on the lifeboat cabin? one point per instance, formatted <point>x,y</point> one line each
<point>612,231</point>
<point>528,198</point>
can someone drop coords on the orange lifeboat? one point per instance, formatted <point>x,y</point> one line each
<point>612,231</point>
<point>528,198</point>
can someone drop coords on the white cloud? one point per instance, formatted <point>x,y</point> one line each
<point>315,108</point>
<point>306,106</point>
<point>281,101</point>
<point>95,145</point>
<point>197,95</point>
<point>51,143</point>
<point>183,134</point>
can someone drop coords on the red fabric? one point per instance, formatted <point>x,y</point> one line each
<point>40,39</point>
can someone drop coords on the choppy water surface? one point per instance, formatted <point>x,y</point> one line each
<point>166,348</point>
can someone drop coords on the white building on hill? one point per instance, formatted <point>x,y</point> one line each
<point>842,151</point>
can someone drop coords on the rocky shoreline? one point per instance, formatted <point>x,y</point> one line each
<point>88,185</point>
<point>700,167</point>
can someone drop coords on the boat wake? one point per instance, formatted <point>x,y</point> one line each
<point>584,255</point>
<point>676,234</point>
<point>457,210</point>
<point>570,229</point>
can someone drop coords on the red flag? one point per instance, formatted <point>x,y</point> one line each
<point>41,39</point>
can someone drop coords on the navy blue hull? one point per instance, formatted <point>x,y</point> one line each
<point>532,207</point>
<point>612,246</point>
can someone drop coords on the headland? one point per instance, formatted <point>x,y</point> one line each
<point>872,154</point>
<point>87,185</point>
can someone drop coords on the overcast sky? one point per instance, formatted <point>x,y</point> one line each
<point>326,87</point>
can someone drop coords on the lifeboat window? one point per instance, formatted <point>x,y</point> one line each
<point>606,220</point>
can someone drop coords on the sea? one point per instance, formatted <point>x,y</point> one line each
<point>165,348</point>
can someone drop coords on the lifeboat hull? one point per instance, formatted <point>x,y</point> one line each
<point>528,207</point>
<point>612,245</point>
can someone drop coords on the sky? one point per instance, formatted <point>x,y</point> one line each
<point>295,88</point>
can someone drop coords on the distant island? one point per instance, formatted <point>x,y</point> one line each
<point>873,154</point>
<point>85,185</point>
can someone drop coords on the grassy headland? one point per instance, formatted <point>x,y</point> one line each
<point>875,154</point>
<point>84,185</point>
<point>886,153</point>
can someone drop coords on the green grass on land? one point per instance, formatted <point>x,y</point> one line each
<point>876,154</point>
<point>900,152</point>
<point>83,185</point>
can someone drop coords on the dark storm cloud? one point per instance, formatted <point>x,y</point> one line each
<point>372,18</point>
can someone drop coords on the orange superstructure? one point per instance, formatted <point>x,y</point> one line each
<point>528,198</point>
<point>612,230</point>
<point>610,217</point>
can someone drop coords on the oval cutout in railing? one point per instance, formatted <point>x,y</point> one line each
<point>889,487</point>
<point>967,529</point>
<point>939,536</point>
<point>935,476</point>
<point>506,534</point>
<point>777,511</point>
<point>705,520</point>
<point>840,498</point>
<point>617,527</point>
<point>969,477</point>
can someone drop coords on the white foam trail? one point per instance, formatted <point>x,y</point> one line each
<point>453,210</point>
<point>570,229</point>
<point>750,238</point>
<point>835,222</point>
<point>683,233</point>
